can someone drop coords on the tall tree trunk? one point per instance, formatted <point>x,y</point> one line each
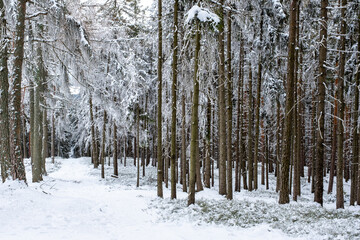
<point>286,149</point>
<point>94,153</point>
<point>5,157</point>
<point>229,194</point>
<point>354,194</point>
<point>44,152</point>
<point>194,139</point>
<point>334,142</point>
<point>159,115</point>
<point>319,184</point>
<point>250,134</point>
<point>257,110</point>
<point>53,138</point>
<point>18,168</point>
<point>222,104</point>
<point>278,154</point>
<point>340,147</point>
<point>208,144</point>
<point>102,158</point>
<point>183,145</point>
<point>173,107</point>
<point>137,145</point>
<point>37,158</point>
<point>115,153</point>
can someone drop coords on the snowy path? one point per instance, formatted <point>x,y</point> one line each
<point>74,203</point>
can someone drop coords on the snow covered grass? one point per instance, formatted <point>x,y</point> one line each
<point>73,202</point>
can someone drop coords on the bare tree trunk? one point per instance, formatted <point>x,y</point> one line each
<point>103,147</point>
<point>257,110</point>
<point>159,112</point>
<point>137,145</point>
<point>319,184</point>
<point>194,139</point>
<point>286,154</point>
<point>183,146</point>
<point>208,145</point>
<point>173,108</point>
<point>44,153</point>
<point>340,147</point>
<point>5,157</point>
<point>354,194</point>
<point>250,134</point>
<point>115,153</point>
<point>18,168</point>
<point>94,152</point>
<point>53,138</point>
<point>222,104</point>
<point>229,194</point>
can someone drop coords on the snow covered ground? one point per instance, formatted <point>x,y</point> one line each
<point>74,203</point>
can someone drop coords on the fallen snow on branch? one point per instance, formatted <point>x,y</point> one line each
<point>202,14</point>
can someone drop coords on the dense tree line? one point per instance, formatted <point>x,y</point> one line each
<point>250,88</point>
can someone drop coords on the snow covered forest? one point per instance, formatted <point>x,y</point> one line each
<point>179,119</point>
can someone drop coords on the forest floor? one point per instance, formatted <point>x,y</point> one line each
<point>73,202</point>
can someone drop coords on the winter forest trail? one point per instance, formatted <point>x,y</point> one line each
<point>73,203</point>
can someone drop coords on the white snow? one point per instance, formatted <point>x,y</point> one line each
<point>73,202</point>
<point>202,14</point>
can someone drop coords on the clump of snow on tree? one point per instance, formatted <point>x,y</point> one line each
<point>202,14</point>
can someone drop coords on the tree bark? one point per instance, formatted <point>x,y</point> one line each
<point>229,194</point>
<point>159,112</point>
<point>194,139</point>
<point>173,108</point>
<point>103,146</point>
<point>18,168</point>
<point>250,134</point>
<point>222,104</point>
<point>320,118</point>
<point>5,157</point>
<point>340,135</point>
<point>286,149</point>
<point>257,110</point>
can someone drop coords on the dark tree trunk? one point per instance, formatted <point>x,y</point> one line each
<point>340,147</point>
<point>173,107</point>
<point>286,149</point>
<point>18,168</point>
<point>5,157</point>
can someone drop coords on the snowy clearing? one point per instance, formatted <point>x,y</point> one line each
<point>74,203</point>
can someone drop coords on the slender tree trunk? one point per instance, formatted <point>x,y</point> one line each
<point>94,152</point>
<point>5,157</point>
<point>183,145</point>
<point>229,112</point>
<point>250,134</point>
<point>257,110</point>
<point>137,145</point>
<point>115,153</point>
<point>286,154</point>
<point>340,147</point>
<point>173,108</point>
<point>208,145</point>
<point>319,184</point>
<point>194,139</point>
<point>278,154</point>
<point>334,142</point>
<point>222,104</point>
<point>18,168</point>
<point>354,194</point>
<point>103,147</point>
<point>53,138</point>
<point>159,112</point>
<point>44,152</point>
